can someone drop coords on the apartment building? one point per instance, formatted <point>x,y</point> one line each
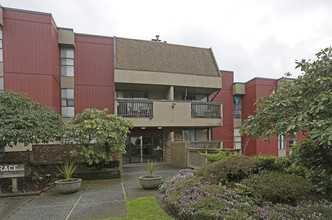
<point>172,93</point>
<point>239,103</point>
<point>164,89</point>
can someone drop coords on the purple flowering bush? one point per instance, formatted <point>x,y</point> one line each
<point>182,175</point>
<point>195,198</point>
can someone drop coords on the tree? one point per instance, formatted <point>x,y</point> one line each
<point>301,105</point>
<point>24,121</point>
<point>101,136</point>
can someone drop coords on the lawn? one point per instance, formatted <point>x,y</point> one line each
<point>144,208</point>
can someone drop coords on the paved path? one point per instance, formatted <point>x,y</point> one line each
<point>96,199</point>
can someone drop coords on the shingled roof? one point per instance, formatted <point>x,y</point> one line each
<point>163,57</point>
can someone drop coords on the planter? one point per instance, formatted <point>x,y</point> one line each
<point>150,182</point>
<point>68,186</point>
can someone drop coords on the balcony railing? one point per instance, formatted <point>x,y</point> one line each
<point>205,144</point>
<point>133,108</point>
<point>205,110</point>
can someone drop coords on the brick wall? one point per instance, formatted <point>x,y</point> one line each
<point>41,154</point>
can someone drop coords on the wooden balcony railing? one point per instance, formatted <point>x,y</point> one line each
<point>205,110</point>
<point>133,108</point>
<point>205,144</point>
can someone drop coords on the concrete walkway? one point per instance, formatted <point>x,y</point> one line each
<point>96,198</point>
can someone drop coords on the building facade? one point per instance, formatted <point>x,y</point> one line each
<point>239,103</point>
<point>171,93</point>
<point>164,89</point>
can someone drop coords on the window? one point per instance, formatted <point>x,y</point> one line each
<point>237,138</point>
<point>1,54</point>
<point>67,61</point>
<point>282,141</point>
<point>196,134</point>
<point>135,95</point>
<point>1,84</point>
<point>237,108</point>
<point>67,103</point>
<point>292,139</point>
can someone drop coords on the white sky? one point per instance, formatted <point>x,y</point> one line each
<point>253,38</point>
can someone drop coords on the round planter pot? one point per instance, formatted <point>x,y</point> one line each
<point>150,182</point>
<point>68,186</point>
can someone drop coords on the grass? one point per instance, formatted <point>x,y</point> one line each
<point>144,208</point>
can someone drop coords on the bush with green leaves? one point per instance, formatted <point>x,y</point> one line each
<point>279,187</point>
<point>221,154</point>
<point>22,120</point>
<point>317,165</point>
<point>197,199</point>
<point>229,169</point>
<point>101,136</point>
<point>273,163</point>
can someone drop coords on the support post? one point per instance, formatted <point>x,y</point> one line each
<point>14,185</point>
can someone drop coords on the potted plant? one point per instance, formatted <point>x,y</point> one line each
<point>150,181</point>
<point>69,184</point>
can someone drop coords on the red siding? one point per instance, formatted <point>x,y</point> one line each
<point>256,89</point>
<point>225,96</point>
<point>94,74</point>
<point>30,50</point>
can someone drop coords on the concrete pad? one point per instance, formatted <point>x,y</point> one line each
<point>94,210</point>
<point>102,196</point>
<point>37,213</point>
<point>10,205</point>
<point>54,200</point>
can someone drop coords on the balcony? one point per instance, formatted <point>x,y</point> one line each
<point>160,113</point>
<point>135,109</point>
<point>205,144</point>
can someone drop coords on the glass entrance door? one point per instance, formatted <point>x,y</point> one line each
<point>145,148</point>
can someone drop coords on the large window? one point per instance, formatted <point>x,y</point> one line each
<point>237,109</point>
<point>292,139</point>
<point>67,103</point>
<point>196,134</point>
<point>67,61</point>
<point>282,141</point>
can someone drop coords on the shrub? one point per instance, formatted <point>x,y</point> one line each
<point>316,161</point>
<point>279,187</point>
<point>197,199</point>
<point>272,163</point>
<point>181,176</point>
<point>229,169</point>
<point>221,154</point>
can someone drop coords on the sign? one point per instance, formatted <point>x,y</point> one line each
<point>11,170</point>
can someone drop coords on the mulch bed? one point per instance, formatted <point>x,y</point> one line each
<point>42,177</point>
<point>38,178</point>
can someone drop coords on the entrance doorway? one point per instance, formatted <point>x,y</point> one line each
<point>144,148</point>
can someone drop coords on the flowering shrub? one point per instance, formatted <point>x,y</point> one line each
<point>197,199</point>
<point>180,176</point>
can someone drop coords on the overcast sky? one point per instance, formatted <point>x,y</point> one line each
<point>253,38</point>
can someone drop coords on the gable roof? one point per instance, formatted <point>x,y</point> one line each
<point>163,57</point>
